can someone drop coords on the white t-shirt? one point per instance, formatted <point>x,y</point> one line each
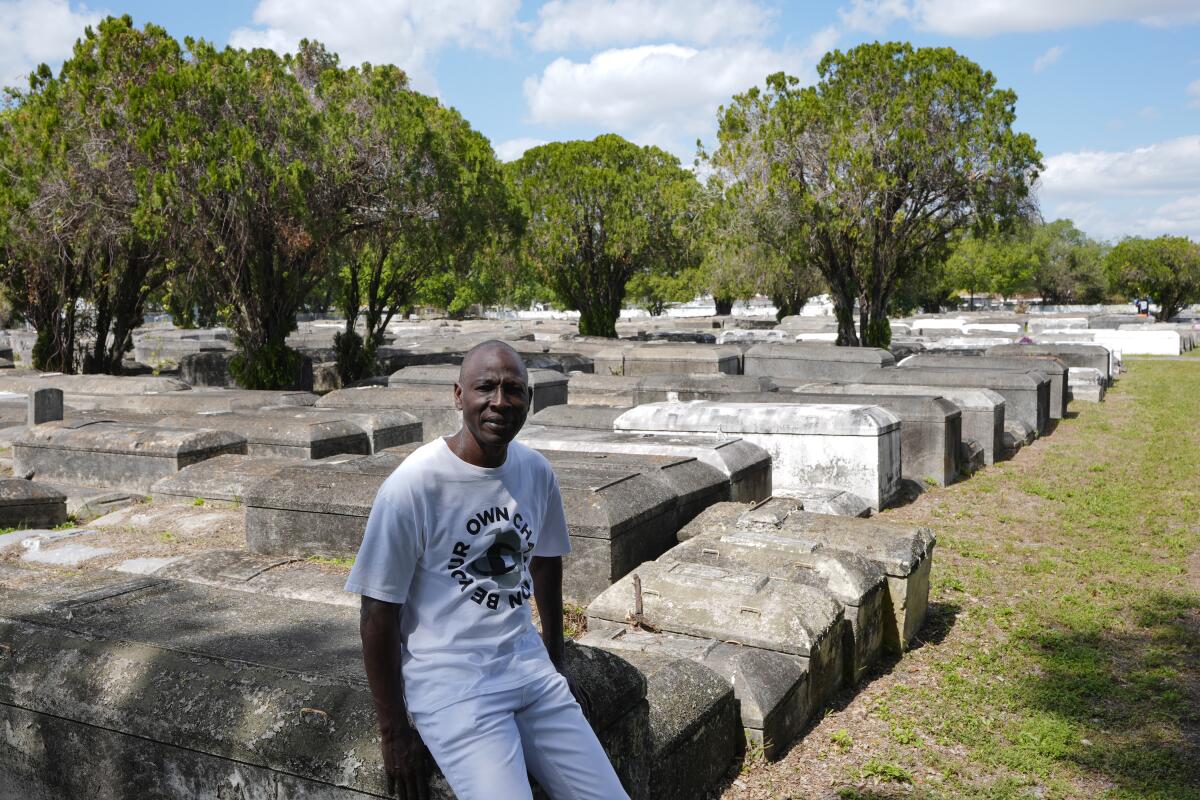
<point>452,542</point>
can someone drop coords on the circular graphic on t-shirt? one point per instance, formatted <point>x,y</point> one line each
<point>502,562</point>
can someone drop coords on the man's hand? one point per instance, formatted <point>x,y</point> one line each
<point>407,764</point>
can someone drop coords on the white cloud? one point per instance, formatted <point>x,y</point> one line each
<point>1047,58</point>
<point>874,16</point>
<point>1169,166</point>
<point>991,17</point>
<point>664,94</point>
<point>591,24</point>
<point>1193,93</point>
<point>1146,191</point>
<point>408,33</point>
<point>33,32</point>
<point>512,149</point>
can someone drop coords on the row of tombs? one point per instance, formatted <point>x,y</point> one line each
<point>189,632</point>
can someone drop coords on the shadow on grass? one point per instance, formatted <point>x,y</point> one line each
<point>1122,705</point>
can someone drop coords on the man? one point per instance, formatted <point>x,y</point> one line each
<point>458,539</point>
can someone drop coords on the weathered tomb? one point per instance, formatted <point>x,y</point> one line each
<point>903,552</point>
<point>90,384</point>
<point>930,428</point>
<point>222,479</point>
<point>848,447</point>
<point>733,605</point>
<point>279,435</point>
<point>602,390</point>
<point>45,405</point>
<point>814,362</point>
<point>433,407</point>
<point>1086,384</point>
<point>1077,354</point>
<point>593,417</point>
<point>100,666</point>
<point>1026,394</point>
<point>617,516</point>
<point>27,504</point>
<point>693,731</point>
<point>383,428</point>
<point>113,454</point>
<point>746,467</point>
<point>239,571</point>
<point>549,387</point>
<point>1049,366</point>
<point>982,409</point>
<point>859,585</point>
<point>656,358</point>
<point>195,401</point>
<point>695,484</point>
<point>315,509</point>
<point>771,688</point>
<point>716,386</point>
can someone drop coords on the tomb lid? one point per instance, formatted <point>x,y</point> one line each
<point>708,416</point>
<point>99,436</point>
<point>746,607</point>
<point>817,351</point>
<point>15,492</point>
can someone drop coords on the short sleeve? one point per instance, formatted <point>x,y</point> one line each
<point>552,538</point>
<point>390,550</point>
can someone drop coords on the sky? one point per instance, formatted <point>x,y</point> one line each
<point>1110,89</point>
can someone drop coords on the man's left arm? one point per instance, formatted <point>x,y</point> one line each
<point>547,572</point>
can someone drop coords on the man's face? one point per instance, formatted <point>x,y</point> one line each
<point>493,395</point>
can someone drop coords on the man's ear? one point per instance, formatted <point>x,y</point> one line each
<point>458,396</point>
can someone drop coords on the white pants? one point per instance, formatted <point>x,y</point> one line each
<point>485,744</point>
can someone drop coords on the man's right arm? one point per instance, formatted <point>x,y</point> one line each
<point>405,759</point>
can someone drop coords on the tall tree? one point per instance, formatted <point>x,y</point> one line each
<point>1166,269</point>
<point>600,213</point>
<point>268,199</point>
<point>877,166</point>
<point>1069,265</point>
<point>101,199</point>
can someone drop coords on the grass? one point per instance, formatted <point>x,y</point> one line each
<point>332,561</point>
<point>1062,652</point>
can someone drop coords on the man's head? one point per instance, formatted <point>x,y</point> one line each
<point>493,394</point>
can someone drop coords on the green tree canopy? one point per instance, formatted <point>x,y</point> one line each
<point>83,188</point>
<point>601,212</point>
<point>1166,269</point>
<point>1069,265</point>
<point>894,151</point>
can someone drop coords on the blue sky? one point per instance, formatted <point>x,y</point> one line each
<point>1109,88</point>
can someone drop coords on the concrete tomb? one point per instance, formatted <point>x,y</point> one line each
<point>603,390</point>
<point>1086,384</point>
<point>734,605</point>
<point>90,384</point>
<point>859,585</point>
<point>100,667</point>
<point>664,357</point>
<point>383,428</point>
<point>982,409</point>
<point>26,504</point>
<point>903,552</point>
<point>814,362</point>
<point>848,447</point>
<point>113,454</point>
<point>1026,394</point>
<point>746,467</point>
<point>222,479</point>
<point>930,428</point>
<point>771,688</point>
<point>194,402</point>
<point>433,407</point>
<point>1072,354</point>
<point>281,436</point>
<point>1049,366</point>
<point>674,388</point>
<point>549,387</point>
<point>594,417</point>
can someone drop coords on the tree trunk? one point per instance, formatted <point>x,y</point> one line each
<point>724,306</point>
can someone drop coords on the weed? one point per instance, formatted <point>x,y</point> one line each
<point>166,537</point>
<point>197,501</point>
<point>332,561</point>
<point>842,739</point>
<point>885,771</point>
